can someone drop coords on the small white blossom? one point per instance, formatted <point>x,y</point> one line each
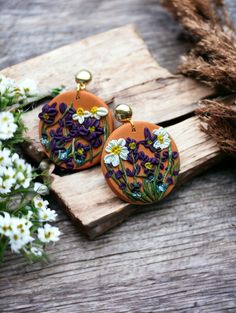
<point>41,189</point>
<point>5,224</point>
<point>28,87</point>
<point>36,251</point>
<point>47,215</point>
<point>163,140</point>
<point>117,150</point>
<point>7,125</point>
<point>5,159</point>
<point>39,203</point>
<point>48,233</point>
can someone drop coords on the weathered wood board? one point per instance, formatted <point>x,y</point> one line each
<point>123,71</point>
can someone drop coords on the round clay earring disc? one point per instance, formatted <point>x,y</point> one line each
<point>140,166</point>
<point>73,130</point>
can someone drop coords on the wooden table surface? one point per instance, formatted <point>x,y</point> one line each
<point>179,258</point>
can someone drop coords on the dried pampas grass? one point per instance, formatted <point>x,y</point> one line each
<point>212,60</point>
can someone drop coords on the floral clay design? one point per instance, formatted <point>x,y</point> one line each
<point>73,128</point>
<point>141,165</point>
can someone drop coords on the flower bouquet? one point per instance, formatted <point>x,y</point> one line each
<point>24,214</point>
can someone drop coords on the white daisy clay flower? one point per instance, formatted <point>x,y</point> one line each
<point>47,215</point>
<point>97,112</point>
<point>41,189</point>
<point>48,233</point>
<point>39,203</point>
<point>163,140</point>
<point>117,150</point>
<point>80,115</point>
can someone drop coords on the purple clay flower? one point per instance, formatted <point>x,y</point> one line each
<point>48,113</point>
<point>176,173</point>
<point>69,163</point>
<point>62,107</point>
<point>149,140</point>
<point>109,173</point>
<point>119,174</point>
<point>132,157</point>
<point>54,146</point>
<point>135,187</point>
<point>81,152</point>
<point>165,156</point>
<point>122,186</point>
<point>149,164</point>
<point>175,155</point>
<point>132,145</point>
<point>57,134</point>
<point>134,172</point>
<point>160,176</point>
<point>142,156</point>
<point>92,131</point>
<point>162,166</point>
<point>170,180</point>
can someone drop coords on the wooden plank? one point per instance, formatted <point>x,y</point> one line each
<point>179,258</point>
<point>128,74</point>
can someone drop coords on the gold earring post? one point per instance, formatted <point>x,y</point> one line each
<point>123,114</point>
<point>82,78</point>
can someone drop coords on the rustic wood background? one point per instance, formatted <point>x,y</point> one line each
<point>180,258</point>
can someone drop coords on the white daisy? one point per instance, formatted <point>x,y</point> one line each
<point>46,214</point>
<point>7,125</point>
<point>97,112</point>
<point>28,87</point>
<point>117,150</point>
<point>5,224</point>
<point>48,233</point>
<point>163,140</point>
<point>5,159</point>
<point>39,203</point>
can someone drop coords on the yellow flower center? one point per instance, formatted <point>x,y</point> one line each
<point>160,138</point>
<point>116,150</point>
<point>46,116</point>
<point>94,110</point>
<point>149,142</point>
<point>80,111</point>
<point>132,145</point>
<point>148,165</point>
<point>80,151</point>
<point>48,234</point>
<point>15,237</point>
<point>5,119</point>
<point>92,129</point>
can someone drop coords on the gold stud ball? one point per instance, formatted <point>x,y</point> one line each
<point>83,77</point>
<point>123,113</point>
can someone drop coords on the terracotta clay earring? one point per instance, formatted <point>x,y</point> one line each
<point>74,126</point>
<point>140,160</point>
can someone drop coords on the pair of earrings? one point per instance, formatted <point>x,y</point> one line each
<point>139,160</point>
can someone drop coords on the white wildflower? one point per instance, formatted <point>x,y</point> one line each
<point>47,215</point>
<point>97,112</point>
<point>48,233</point>
<point>5,159</point>
<point>5,224</point>
<point>7,125</point>
<point>28,87</point>
<point>39,203</point>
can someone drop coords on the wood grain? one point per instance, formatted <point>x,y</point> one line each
<point>179,258</point>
